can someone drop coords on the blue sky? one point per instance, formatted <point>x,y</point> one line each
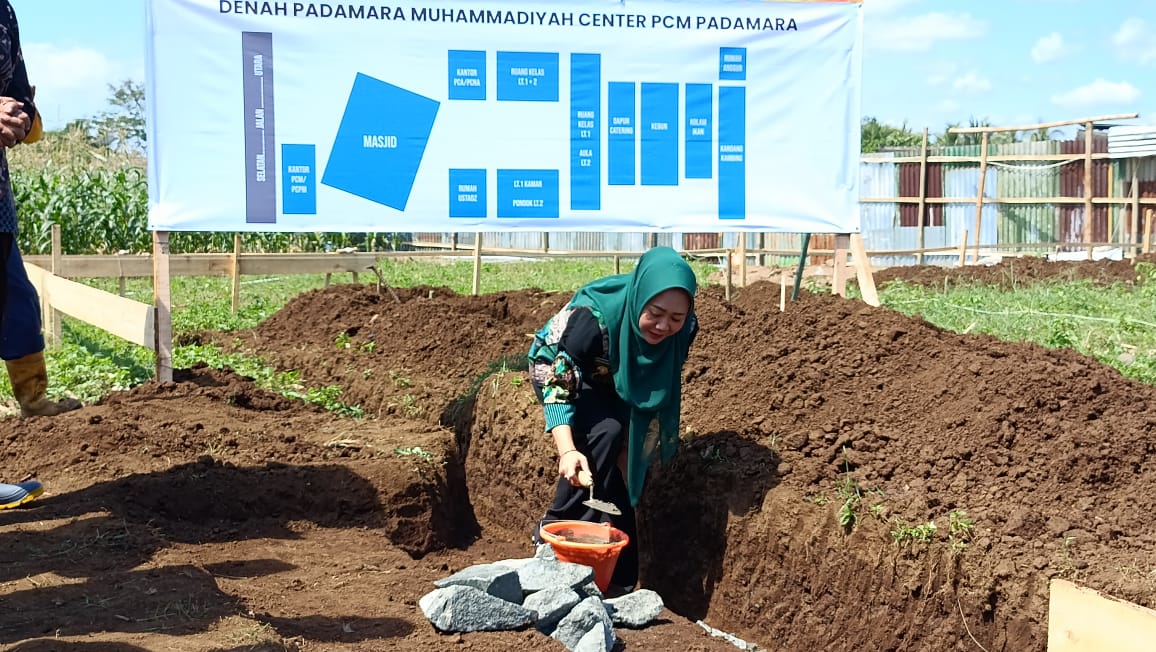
<point>926,62</point>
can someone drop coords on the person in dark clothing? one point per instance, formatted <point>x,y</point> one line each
<point>19,123</point>
<point>607,370</point>
<point>21,336</point>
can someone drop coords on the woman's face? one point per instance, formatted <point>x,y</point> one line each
<point>664,316</point>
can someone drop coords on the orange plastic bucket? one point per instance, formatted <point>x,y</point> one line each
<point>596,545</point>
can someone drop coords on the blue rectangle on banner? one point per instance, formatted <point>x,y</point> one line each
<point>620,142</point>
<point>528,193</point>
<point>732,64</point>
<point>467,74</point>
<point>585,137</point>
<point>467,193</point>
<point>732,148</point>
<point>699,131</point>
<point>659,134</point>
<point>299,179</point>
<point>528,76</point>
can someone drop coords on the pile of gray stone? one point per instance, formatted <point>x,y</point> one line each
<point>559,599</point>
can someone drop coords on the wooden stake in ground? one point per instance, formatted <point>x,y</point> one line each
<point>863,271</point>
<point>839,274</point>
<point>53,325</point>
<point>729,271</point>
<point>1088,143</point>
<point>979,192</point>
<point>1134,223</point>
<point>477,263</point>
<point>236,273</point>
<point>162,291</point>
<point>963,249</point>
<point>922,196</point>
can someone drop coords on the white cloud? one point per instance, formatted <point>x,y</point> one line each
<point>920,33</point>
<point>971,83</point>
<point>1049,48</point>
<point>1098,92</point>
<point>1133,41</point>
<point>73,83</point>
<point>941,73</point>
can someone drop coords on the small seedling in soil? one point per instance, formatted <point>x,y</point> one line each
<point>399,379</point>
<point>960,529</point>
<point>342,340</point>
<point>415,451</point>
<point>903,534</point>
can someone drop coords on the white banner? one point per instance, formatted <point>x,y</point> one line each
<point>470,115</point>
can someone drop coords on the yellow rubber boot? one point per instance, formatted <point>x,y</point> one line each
<point>29,385</point>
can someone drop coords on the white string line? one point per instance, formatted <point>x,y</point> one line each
<point>1030,167</point>
<point>1012,313</point>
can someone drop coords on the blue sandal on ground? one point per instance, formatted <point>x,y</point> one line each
<point>15,495</point>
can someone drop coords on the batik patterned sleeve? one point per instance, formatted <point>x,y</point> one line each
<point>580,343</point>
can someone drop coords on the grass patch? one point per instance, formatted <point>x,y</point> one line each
<point>1116,325</point>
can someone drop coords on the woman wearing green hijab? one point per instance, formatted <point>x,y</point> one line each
<point>608,371</point>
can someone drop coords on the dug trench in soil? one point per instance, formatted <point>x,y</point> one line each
<point>1046,454</point>
<point>1046,451</point>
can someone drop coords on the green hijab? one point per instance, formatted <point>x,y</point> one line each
<point>647,376</point>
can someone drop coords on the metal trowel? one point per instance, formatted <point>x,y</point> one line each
<point>587,480</point>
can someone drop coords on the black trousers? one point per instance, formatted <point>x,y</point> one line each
<point>5,248</point>
<point>600,427</point>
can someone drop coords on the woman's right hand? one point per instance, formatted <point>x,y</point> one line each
<point>570,463</point>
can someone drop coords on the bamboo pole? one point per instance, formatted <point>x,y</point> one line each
<point>922,193</point>
<point>477,263</point>
<point>1004,200</point>
<point>236,272</point>
<point>1088,143</point>
<point>963,249</point>
<point>979,192</point>
<point>1134,224</point>
<point>1045,125</point>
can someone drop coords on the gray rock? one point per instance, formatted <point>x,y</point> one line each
<point>599,639</point>
<point>542,574</point>
<point>498,580</point>
<point>551,605</point>
<point>590,589</point>
<point>545,551</point>
<point>461,608</point>
<point>637,609</point>
<point>589,616</point>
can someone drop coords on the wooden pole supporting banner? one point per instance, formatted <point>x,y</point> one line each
<point>53,328</point>
<point>162,293</point>
<point>863,271</point>
<point>839,275</point>
<point>979,192</point>
<point>922,195</point>
<point>1134,223</point>
<point>545,242</point>
<point>1088,142</point>
<point>477,263</point>
<point>236,272</point>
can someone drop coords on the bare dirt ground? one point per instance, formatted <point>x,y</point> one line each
<point>207,514</point>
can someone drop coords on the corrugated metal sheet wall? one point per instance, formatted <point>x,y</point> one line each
<point>895,227</point>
